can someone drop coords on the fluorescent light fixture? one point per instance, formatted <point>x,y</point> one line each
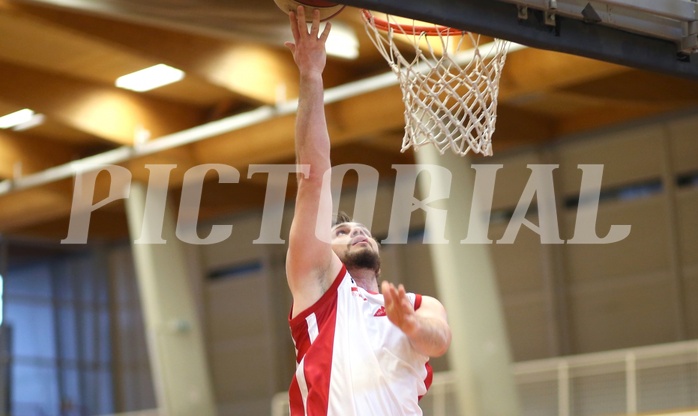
<point>150,78</point>
<point>16,118</point>
<point>35,120</point>
<point>342,42</point>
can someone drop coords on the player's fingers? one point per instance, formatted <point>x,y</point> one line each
<point>326,31</point>
<point>406,305</point>
<point>291,46</point>
<point>390,294</point>
<point>293,19</point>
<point>315,27</point>
<point>385,289</point>
<point>294,26</point>
<point>401,291</point>
<point>394,292</point>
<point>300,19</point>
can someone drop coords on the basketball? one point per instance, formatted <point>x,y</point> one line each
<point>327,9</point>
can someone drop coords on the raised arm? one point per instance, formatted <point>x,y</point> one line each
<point>311,264</point>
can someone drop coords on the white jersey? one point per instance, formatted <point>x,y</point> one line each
<point>351,360</point>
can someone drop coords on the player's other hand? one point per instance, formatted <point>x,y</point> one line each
<point>398,307</point>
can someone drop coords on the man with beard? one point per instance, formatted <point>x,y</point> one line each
<point>358,352</point>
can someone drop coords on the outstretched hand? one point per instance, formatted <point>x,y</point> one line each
<point>308,47</point>
<point>398,307</point>
<point>427,328</point>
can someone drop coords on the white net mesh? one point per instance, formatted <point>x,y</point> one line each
<point>449,82</point>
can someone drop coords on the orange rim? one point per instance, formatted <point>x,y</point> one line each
<point>386,26</point>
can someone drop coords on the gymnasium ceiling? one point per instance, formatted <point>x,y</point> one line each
<point>60,58</point>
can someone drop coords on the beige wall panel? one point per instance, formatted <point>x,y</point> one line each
<point>684,144</point>
<point>511,178</point>
<point>518,266</point>
<point>392,267</point>
<point>247,407</point>
<point>528,327</point>
<point>519,271</point>
<point>690,281</point>
<point>238,248</point>
<point>644,251</point>
<point>240,370</point>
<point>628,156</point>
<point>240,342</point>
<point>630,313</point>
<point>237,307</point>
<point>418,271</point>
<point>687,206</point>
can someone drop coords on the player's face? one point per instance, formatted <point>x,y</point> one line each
<point>355,246</point>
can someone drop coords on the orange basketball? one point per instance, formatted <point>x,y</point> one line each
<point>327,9</point>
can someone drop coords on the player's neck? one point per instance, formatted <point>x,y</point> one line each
<point>365,279</point>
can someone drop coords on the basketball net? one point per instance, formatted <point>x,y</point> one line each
<point>449,82</point>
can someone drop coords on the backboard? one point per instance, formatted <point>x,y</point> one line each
<point>646,34</point>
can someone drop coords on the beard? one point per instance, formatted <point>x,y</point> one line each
<point>363,259</point>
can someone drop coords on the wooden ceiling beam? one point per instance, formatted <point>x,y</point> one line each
<point>182,157</point>
<point>386,141</point>
<point>24,154</point>
<point>534,71</point>
<point>612,113</point>
<point>260,143</point>
<point>236,66</point>
<point>35,205</point>
<point>273,140</point>
<point>107,112</point>
<point>639,86</point>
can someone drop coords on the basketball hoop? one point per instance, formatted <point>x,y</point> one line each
<point>449,82</point>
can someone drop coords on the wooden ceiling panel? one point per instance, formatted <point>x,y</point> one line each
<point>556,103</point>
<point>234,66</point>
<point>105,112</point>
<point>58,50</point>
<point>31,206</point>
<point>59,133</point>
<point>260,143</point>
<point>23,155</point>
<point>612,113</point>
<point>639,86</point>
<point>517,127</point>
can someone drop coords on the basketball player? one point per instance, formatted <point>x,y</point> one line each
<point>358,352</point>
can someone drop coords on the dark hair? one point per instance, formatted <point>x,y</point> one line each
<point>341,218</point>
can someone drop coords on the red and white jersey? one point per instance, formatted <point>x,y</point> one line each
<point>351,360</point>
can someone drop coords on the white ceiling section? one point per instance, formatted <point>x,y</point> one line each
<point>61,58</point>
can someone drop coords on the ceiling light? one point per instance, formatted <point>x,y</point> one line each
<point>342,42</point>
<point>35,120</point>
<point>150,78</point>
<point>16,118</point>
